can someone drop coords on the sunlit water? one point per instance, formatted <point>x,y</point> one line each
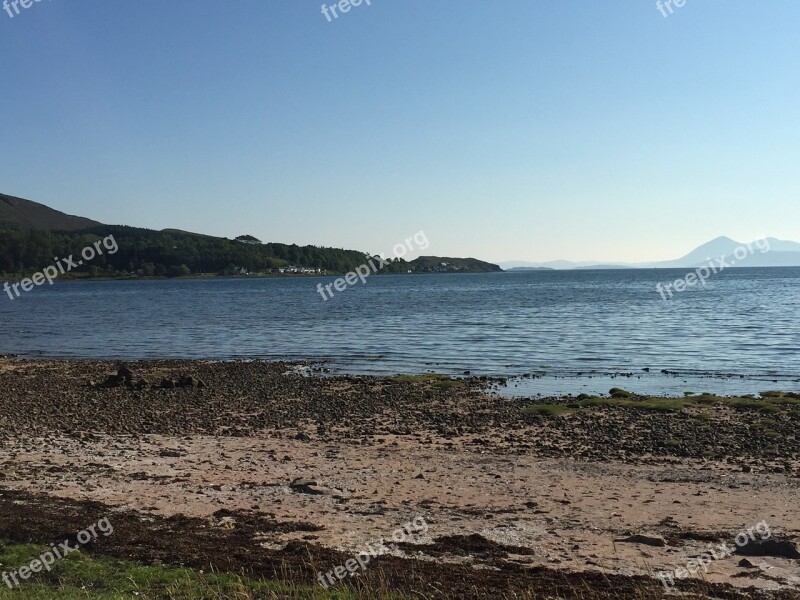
<point>578,328</point>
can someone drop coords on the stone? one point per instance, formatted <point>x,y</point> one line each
<point>770,547</point>
<point>647,540</point>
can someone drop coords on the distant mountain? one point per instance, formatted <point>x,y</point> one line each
<point>769,252</point>
<point>761,253</point>
<point>722,246</point>
<point>16,211</point>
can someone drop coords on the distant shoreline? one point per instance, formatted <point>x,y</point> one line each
<point>201,276</point>
<point>514,271</point>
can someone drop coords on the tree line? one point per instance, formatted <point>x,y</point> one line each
<point>146,252</point>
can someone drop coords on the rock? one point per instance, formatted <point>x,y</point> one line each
<point>124,373</point>
<point>307,486</point>
<point>187,381</point>
<point>171,454</point>
<point>167,384</point>
<point>769,547</point>
<point>303,437</point>
<point>302,481</point>
<point>647,540</point>
<point>112,381</point>
<point>746,564</point>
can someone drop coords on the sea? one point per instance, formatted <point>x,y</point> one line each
<point>541,332</point>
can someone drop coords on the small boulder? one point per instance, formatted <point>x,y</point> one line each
<point>187,381</point>
<point>112,381</point>
<point>171,453</point>
<point>746,564</point>
<point>302,485</point>
<point>769,547</point>
<point>647,540</point>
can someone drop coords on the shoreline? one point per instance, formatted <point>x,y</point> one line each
<point>207,276</point>
<point>539,384</point>
<point>534,495</point>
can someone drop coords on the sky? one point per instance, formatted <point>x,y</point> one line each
<point>522,130</point>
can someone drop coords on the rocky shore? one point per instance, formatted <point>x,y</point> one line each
<point>291,471</point>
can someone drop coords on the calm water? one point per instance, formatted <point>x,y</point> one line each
<point>569,324</point>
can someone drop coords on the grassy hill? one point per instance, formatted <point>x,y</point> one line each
<point>439,264</point>
<point>32,234</point>
<point>25,213</point>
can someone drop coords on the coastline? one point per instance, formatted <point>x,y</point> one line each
<point>535,498</point>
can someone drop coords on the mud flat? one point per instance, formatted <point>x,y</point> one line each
<point>253,467</point>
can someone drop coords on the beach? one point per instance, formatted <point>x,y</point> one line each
<point>518,497</point>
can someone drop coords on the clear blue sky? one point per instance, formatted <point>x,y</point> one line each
<point>520,129</point>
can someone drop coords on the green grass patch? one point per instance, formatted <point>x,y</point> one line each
<point>784,401</point>
<point>427,377</point>
<point>82,577</point>
<point>651,404</point>
<point>437,380</point>
<point>773,403</point>
<point>790,395</point>
<point>705,399</point>
<point>751,404</point>
<point>547,410</point>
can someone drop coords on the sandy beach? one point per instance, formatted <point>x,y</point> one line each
<point>518,501</point>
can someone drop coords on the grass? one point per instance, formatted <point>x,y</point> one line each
<point>764,406</point>
<point>769,403</point>
<point>436,380</point>
<point>79,576</point>
<point>83,577</point>
<point>547,410</point>
<point>787,395</point>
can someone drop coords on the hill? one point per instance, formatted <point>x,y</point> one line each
<point>440,264</point>
<point>145,252</point>
<point>31,234</point>
<point>25,213</point>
